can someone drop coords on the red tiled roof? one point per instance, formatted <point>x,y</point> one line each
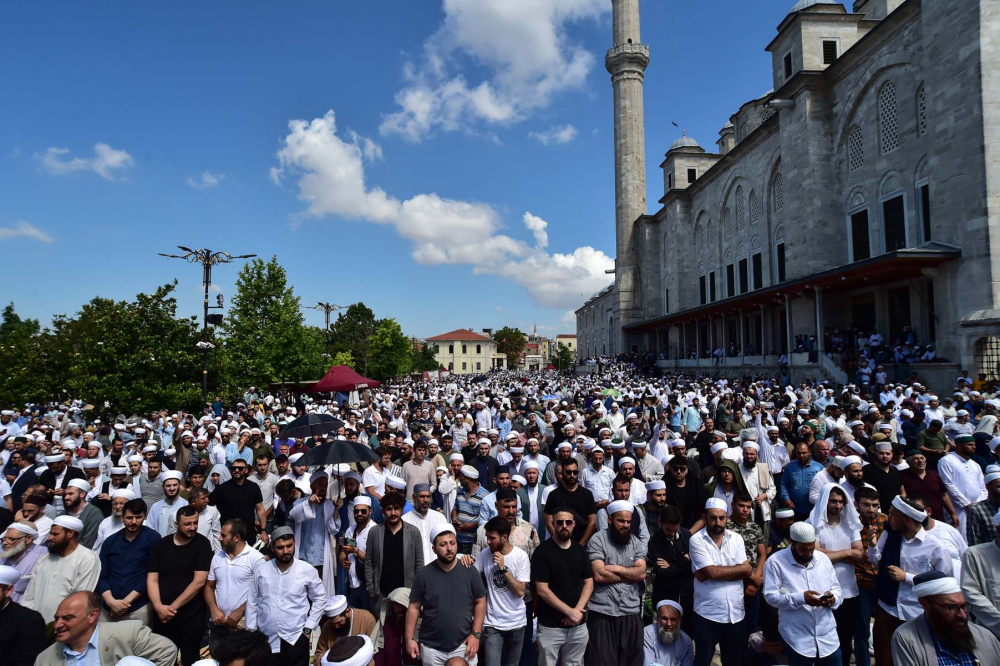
<point>566,335</point>
<point>460,334</point>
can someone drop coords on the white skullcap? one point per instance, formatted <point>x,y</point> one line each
<point>9,575</point>
<point>589,445</point>
<point>991,477</point>
<point>856,447</point>
<point>353,475</point>
<point>123,492</point>
<point>149,449</point>
<point>335,605</point>
<point>135,458</point>
<point>883,446</point>
<point>531,464</point>
<point>512,435</point>
<point>469,471</point>
<point>69,522</point>
<point>90,463</point>
<point>994,443</point>
<point>855,423</point>
<point>619,505</point>
<point>225,431</point>
<point>81,484</point>
<point>716,503</point>
<point>170,452</point>
<point>172,475</point>
<point>564,445</point>
<point>118,470</point>
<point>395,482</point>
<point>672,604</point>
<point>626,459</point>
<point>119,427</point>
<point>802,533</point>
<point>784,513</point>
<point>132,660</point>
<point>456,456</point>
<point>187,433</point>
<point>317,475</point>
<point>936,586</point>
<point>294,458</point>
<point>440,529</point>
<point>751,445</point>
<point>517,449</point>
<point>718,446</point>
<point>362,500</point>
<point>844,462</point>
<point>910,511</point>
<point>23,528</point>
<point>773,428</point>
<point>639,444</point>
<point>520,479</point>
<point>962,412</point>
<point>57,457</point>
<point>140,431</point>
<point>656,485</point>
<point>483,440</point>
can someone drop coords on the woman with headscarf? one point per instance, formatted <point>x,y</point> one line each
<point>726,482</point>
<point>218,475</point>
<point>838,535</point>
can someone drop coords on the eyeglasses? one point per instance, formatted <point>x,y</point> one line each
<point>8,539</point>
<point>565,522</point>
<point>567,472</point>
<point>954,609</point>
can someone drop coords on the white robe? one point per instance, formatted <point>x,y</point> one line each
<point>54,578</point>
<point>304,511</point>
<point>108,526</point>
<point>424,524</point>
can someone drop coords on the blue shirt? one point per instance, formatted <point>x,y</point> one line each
<point>233,452</point>
<point>795,482</point>
<point>91,655</point>
<point>468,511</point>
<point>124,565</point>
<point>312,533</point>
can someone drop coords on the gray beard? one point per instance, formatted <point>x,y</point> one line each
<point>13,551</point>
<point>667,637</point>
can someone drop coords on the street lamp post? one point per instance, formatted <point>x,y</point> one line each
<point>326,309</point>
<point>207,259</point>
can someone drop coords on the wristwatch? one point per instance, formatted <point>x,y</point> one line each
<point>477,634</point>
<point>307,631</point>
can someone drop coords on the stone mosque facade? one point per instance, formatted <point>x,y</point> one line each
<point>862,190</point>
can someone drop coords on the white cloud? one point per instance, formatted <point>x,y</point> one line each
<point>206,181</point>
<point>555,134</point>
<point>330,175</point>
<point>22,229</point>
<point>523,46</point>
<point>105,162</point>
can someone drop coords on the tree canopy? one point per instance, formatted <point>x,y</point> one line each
<point>510,342</point>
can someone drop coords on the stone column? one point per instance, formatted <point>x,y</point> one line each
<point>788,325</point>
<point>819,319</point>
<point>742,338</point>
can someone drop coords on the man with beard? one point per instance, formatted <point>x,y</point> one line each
<point>832,473</point>
<point>209,522</point>
<point>918,480</point>
<point>796,479</point>
<point>802,584</point>
<point>720,564</point>
<point>162,512</point>
<point>507,571</point>
<point>530,495</point>
<point>238,498</point>
<point>570,493</point>
<point>979,526</point>
<point>20,551</point>
<point>685,493</point>
<point>486,464</point>
<point>68,567</point>
<point>393,554</point>
<point>76,505</point>
<point>114,522</point>
<point>315,521</point>
<point>124,564</point>
<point>57,477</point>
<point>342,621</point>
<point>979,564</point>
<point>626,469</point>
<point>468,502</point>
<point>352,555</point>
<point>759,483</point>
<point>873,523</point>
<point>597,478</point>
<point>853,476</point>
<point>656,499</point>
<point>450,601</point>
<point>424,519</point>
<point>663,642</point>
<point>963,477</point>
<point>671,563</point>
<point>621,490</point>
<point>618,561</point>
<point>22,630</point>
<point>286,601</point>
<point>229,578</point>
<point>942,635</point>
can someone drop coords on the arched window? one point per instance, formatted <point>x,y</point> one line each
<point>711,233</point>
<point>727,216</point>
<point>754,208</point>
<point>779,255</point>
<point>465,349</point>
<point>765,115</point>
<point>741,218</point>
<point>743,131</point>
<point>778,192</point>
<point>451,349</point>
<point>921,111</point>
<point>856,149</point>
<point>700,236</point>
<point>479,349</point>
<point>887,118</point>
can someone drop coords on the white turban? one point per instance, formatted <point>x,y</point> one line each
<point>751,445</point>
<point>619,505</point>
<point>123,492</point>
<point>716,503</point>
<point>672,604</point>
<point>360,658</point>
<point>69,523</point>
<point>802,533</point>
<point>718,446</point>
<point>9,575</point>
<point>80,484</point>
<point>656,485</point>
<point>23,528</point>
<point>626,459</point>
<point>440,529</point>
<point>910,511</point>
<point>936,586</point>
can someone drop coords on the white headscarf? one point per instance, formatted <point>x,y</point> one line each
<point>224,475</point>
<point>849,518</point>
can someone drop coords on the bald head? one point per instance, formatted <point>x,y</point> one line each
<point>76,619</point>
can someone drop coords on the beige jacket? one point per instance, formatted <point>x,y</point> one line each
<point>119,640</point>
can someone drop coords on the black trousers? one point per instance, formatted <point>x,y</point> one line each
<point>846,618</point>
<point>731,639</point>
<point>292,655</point>
<point>185,631</point>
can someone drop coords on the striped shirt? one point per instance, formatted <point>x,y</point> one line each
<point>468,511</point>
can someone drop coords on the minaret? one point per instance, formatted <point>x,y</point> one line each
<point>626,61</point>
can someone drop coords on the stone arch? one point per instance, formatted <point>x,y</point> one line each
<point>741,251</point>
<point>921,172</point>
<point>873,75</point>
<point>754,244</point>
<point>891,183</point>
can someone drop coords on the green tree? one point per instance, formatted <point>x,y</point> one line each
<point>29,374</point>
<point>424,357</point>
<point>564,357</point>
<point>266,339</point>
<point>344,358</point>
<point>390,351</point>
<point>352,333</point>
<point>510,342</point>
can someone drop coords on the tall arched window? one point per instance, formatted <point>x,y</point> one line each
<point>711,234</point>
<point>727,216</point>
<point>700,238</point>
<point>741,218</point>
<point>921,111</point>
<point>754,208</point>
<point>856,149</point>
<point>778,192</point>
<point>888,118</point>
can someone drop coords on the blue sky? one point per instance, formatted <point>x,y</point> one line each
<point>449,162</point>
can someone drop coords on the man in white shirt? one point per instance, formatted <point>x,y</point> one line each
<point>719,562</point>
<point>229,580</point>
<point>801,583</point>
<point>423,518</point>
<point>352,556</point>
<point>266,480</point>
<point>286,601</point>
<point>838,530</point>
<point>962,477</point>
<point>507,571</point>
<point>373,479</point>
<point>597,478</point>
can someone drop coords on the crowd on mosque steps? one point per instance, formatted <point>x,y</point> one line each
<point>617,518</point>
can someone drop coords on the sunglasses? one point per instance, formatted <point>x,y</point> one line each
<point>565,522</point>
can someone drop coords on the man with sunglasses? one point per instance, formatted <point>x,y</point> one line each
<point>353,555</point>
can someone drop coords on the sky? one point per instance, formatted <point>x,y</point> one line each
<point>447,162</point>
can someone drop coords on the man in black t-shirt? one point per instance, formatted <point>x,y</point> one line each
<point>178,570</point>
<point>563,585</point>
<point>571,494</point>
<point>239,498</point>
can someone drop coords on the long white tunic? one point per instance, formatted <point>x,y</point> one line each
<point>964,481</point>
<point>306,510</point>
<point>424,524</point>
<point>55,577</point>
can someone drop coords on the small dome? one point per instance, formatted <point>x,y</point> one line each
<point>806,4</point>
<point>685,142</point>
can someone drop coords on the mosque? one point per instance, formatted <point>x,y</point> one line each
<point>863,190</point>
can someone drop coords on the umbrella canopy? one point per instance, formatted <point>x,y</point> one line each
<point>310,425</point>
<point>342,379</point>
<point>336,452</point>
<point>612,392</point>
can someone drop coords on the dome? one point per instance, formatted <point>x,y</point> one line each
<point>806,4</point>
<point>685,142</point>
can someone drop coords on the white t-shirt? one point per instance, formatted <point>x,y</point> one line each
<point>504,609</point>
<point>838,538</point>
<point>373,477</point>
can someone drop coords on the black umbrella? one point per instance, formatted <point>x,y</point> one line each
<point>310,425</point>
<point>336,452</point>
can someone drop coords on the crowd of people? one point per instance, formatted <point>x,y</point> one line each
<point>614,518</point>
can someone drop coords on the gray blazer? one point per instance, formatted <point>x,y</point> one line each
<point>413,557</point>
<point>913,645</point>
<point>119,640</point>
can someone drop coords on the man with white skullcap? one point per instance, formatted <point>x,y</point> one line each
<point>75,504</point>
<point>597,477</point>
<point>902,553</point>
<point>315,521</point>
<point>68,567</point>
<point>163,510</point>
<point>801,583</point>
<point>355,650</point>
<point>618,560</point>
<point>963,477</point>
<point>57,477</point>
<point>943,633</point>
<point>19,549</point>
<point>719,562</point>
<point>663,642</point>
<point>22,630</point>
<point>114,522</point>
<point>979,526</point>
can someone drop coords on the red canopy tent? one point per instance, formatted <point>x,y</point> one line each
<point>341,378</point>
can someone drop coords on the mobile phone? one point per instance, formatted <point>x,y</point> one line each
<point>828,595</point>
